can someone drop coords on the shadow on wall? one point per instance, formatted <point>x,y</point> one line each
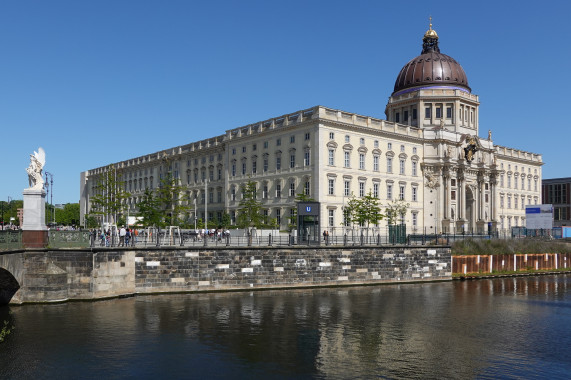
<point>8,286</point>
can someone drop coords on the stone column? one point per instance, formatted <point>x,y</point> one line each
<point>34,230</point>
<point>461,200</point>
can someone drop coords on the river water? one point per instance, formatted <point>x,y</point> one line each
<point>509,328</point>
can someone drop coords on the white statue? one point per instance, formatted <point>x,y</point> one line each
<point>37,162</point>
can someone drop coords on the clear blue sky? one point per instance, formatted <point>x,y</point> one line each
<point>95,82</point>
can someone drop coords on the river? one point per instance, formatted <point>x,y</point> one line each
<point>505,327</point>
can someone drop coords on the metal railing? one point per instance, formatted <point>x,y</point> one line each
<point>10,239</point>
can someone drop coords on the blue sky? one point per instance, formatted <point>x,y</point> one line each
<point>95,82</point>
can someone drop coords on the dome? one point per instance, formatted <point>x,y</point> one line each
<point>431,69</point>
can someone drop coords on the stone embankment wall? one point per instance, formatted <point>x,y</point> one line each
<point>58,275</point>
<point>515,262</point>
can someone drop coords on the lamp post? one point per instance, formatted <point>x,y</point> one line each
<point>51,185</point>
<point>9,210</point>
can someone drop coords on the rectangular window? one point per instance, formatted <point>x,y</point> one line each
<point>219,196</point>
<point>414,219</point>
<point>278,163</point>
<point>509,181</point>
<point>292,189</point>
<point>509,201</point>
<point>243,168</point>
<point>376,143</point>
<point>376,163</point>
<point>292,139</point>
<point>515,182</point>
<point>331,157</point>
<point>397,117</point>
<point>279,216</point>
<point>414,168</point>
<point>243,150</point>
<point>401,192</point>
<point>438,112</point>
<point>502,201</point>
<point>211,197</point>
<point>515,202</point>
<point>307,135</point>
<point>278,142</point>
<point>362,141</point>
<point>265,164</point>
<point>347,139</point>
<point>414,194</point>
<point>278,190</point>
<point>347,188</point>
<point>233,172</point>
<point>331,217</point>
<point>306,158</point>
<point>405,118</point>
<point>427,112</point>
<point>389,164</point>
<point>347,162</point>
<point>331,135</point>
<point>254,147</point>
<point>266,145</point>
<point>389,191</point>
<point>306,188</point>
<point>254,167</point>
<point>292,161</point>
<point>389,146</point>
<point>265,191</point>
<point>233,194</point>
<point>361,189</point>
<point>361,161</point>
<point>401,166</point>
<point>453,195</point>
<point>414,115</point>
<point>449,112</point>
<point>211,174</point>
<point>331,186</point>
<point>219,174</point>
<point>233,153</point>
<point>375,190</point>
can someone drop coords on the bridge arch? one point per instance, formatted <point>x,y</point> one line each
<point>8,286</point>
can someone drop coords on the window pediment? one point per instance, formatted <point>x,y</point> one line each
<point>390,153</point>
<point>332,145</point>
<point>347,147</point>
<point>362,149</point>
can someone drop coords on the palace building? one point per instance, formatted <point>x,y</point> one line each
<point>427,153</point>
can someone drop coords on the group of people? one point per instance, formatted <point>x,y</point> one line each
<point>127,236</point>
<point>213,233</point>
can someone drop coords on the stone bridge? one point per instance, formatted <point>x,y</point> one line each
<point>55,275</point>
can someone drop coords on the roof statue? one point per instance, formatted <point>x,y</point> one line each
<point>34,170</point>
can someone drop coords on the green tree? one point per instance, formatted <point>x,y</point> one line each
<point>396,209</point>
<point>68,215</point>
<point>149,210</point>
<point>173,203</point>
<point>368,210</point>
<point>226,220</point>
<point>249,212</point>
<point>109,195</point>
<point>91,221</point>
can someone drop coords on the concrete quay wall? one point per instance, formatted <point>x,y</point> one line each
<point>60,275</point>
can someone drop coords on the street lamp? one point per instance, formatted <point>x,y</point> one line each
<point>9,210</point>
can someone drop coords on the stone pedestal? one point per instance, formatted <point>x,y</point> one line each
<point>34,230</point>
<point>446,226</point>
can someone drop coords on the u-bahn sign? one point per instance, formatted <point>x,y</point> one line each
<point>308,208</point>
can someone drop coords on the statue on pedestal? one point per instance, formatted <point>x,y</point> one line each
<point>37,162</point>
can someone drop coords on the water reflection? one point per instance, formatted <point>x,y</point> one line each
<point>485,328</point>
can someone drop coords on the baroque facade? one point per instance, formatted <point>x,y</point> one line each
<point>427,153</point>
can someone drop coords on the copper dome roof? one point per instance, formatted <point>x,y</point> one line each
<point>431,68</point>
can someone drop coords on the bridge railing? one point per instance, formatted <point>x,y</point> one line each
<point>68,239</point>
<point>10,239</point>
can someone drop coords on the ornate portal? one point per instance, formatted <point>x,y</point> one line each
<point>34,170</point>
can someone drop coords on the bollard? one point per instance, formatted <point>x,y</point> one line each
<point>345,239</point>
<point>227,240</point>
<point>270,240</point>
<point>181,241</point>
<point>362,238</point>
<point>378,239</point>
<point>249,239</point>
<point>289,239</point>
<point>159,237</point>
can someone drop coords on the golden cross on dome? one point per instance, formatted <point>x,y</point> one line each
<point>430,23</point>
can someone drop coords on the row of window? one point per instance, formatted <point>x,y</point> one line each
<point>376,162</point>
<point>266,144</point>
<point>331,183</point>
<point>516,180</point>
<point>516,203</point>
